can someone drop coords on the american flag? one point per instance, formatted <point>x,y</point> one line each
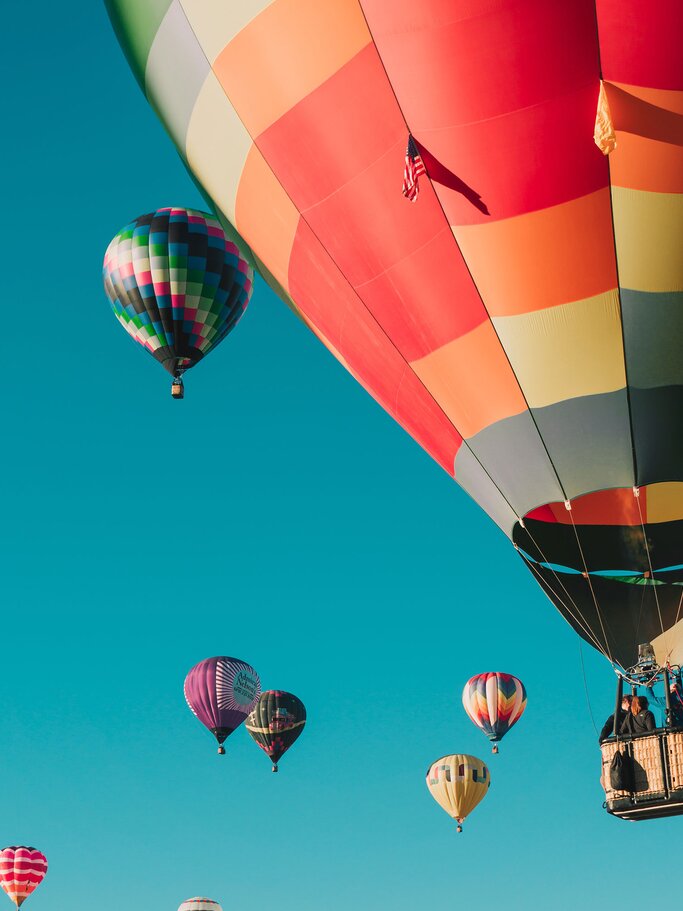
<point>413,170</point>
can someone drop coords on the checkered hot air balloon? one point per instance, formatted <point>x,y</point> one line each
<point>177,285</point>
<point>221,692</point>
<point>200,904</point>
<point>22,870</point>
<point>276,722</point>
<point>458,783</point>
<point>494,702</point>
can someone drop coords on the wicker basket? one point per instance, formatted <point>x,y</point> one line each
<point>609,748</point>
<point>648,770</point>
<point>675,751</point>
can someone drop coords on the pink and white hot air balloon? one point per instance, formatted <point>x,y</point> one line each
<point>22,870</point>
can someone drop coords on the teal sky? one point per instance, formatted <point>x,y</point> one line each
<point>276,514</point>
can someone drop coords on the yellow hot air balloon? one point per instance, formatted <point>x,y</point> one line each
<point>458,783</point>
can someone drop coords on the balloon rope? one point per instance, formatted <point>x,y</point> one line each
<point>585,686</point>
<point>580,620</point>
<point>590,585</point>
<point>649,563</point>
<point>680,603</point>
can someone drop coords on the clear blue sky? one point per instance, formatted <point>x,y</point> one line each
<point>277,514</point>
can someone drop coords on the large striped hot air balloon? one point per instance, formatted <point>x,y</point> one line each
<point>22,870</point>
<point>458,783</point>
<point>221,692</point>
<point>177,285</point>
<point>277,720</point>
<point>523,318</point>
<point>494,702</point>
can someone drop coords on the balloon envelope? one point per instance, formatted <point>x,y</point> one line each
<point>176,284</point>
<point>200,904</point>
<point>494,702</point>
<point>221,692</point>
<point>22,870</point>
<point>277,720</point>
<point>523,319</point>
<point>458,783</point>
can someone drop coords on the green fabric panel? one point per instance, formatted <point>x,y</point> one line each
<point>136,23</point>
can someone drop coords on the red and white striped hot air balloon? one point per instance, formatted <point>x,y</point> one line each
<point>22,870</point>
<point>200,904</point>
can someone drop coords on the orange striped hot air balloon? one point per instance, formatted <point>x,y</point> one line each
<point>22,870</point>
<point>494,702</point>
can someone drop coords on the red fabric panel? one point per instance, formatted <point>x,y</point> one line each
<point>640,43</point>
<point>346,179</point>
<point>336,131</point>
<point>532,159</point>
<point>461,62</point>
<point>325,297</point>
<point>426,299</point>
<point>503,94</point>
<point>542,514</point>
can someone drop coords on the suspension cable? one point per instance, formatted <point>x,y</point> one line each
<point>581,621</point>
<point>585,686</point>
<point>649,560</point>
<point>590,584</point>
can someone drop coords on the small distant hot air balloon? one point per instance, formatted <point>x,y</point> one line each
<point>177,285</point>
<point>200,904</point>
<point>221,692</point>
<point>276,722</point>
<point>494,702</point>
<point>22,870</point>
<point>458,783</point>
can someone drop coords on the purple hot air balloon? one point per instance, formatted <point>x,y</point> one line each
<point>221,692</point>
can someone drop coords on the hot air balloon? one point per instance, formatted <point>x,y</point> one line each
<point>494,702</point>
<point>22,870</point>
<point>177,285</point>
<point>523,318</point>
<point>276,722</point>
<point>458,783</point>
<point>221,692</point>
<point>200,904</point>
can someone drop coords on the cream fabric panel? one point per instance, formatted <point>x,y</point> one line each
<point>217,145</point>
<point>566,351</point>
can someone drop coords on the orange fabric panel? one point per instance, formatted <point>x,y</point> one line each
<point>288,50</point>
<point>533,261</point>
<point>649,124</point>
<point>265,216</point>
<point>472,380</point>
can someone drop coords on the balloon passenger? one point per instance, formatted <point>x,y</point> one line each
<point>608,726</point>
<point>640,719</point>
<point>676,700</point>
